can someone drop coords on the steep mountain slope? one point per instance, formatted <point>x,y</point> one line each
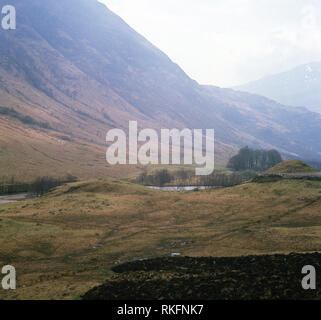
<point>80,68</point>
<point>297,87</point>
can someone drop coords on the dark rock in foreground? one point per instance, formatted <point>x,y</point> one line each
<point>184,278</point>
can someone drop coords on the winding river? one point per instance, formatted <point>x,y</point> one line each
<point>183,188</point>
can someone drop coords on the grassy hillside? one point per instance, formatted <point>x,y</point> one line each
<point>66,242</point>
<point>291,166</point>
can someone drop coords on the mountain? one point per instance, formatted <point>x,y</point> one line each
<point>297,87</point>
<point>73,69</point>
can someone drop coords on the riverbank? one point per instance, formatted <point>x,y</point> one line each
<point>183,188</point>
<point>10,198</point>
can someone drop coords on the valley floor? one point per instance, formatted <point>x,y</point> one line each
<point>66,242</point>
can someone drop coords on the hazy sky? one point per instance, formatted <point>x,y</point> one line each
<point>228,42</point>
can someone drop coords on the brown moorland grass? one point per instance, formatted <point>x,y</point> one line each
<point>291,166</point>
<point>67,241</point>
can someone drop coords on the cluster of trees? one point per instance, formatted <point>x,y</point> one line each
<point>42,185</point>
<point>9,188</point>
<point>222,179</point>
<point>183,177</point>
<point>158,178</point>
<point>257,160</point>
<point>37,187</point>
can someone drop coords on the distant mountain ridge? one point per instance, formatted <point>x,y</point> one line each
<point>300,86</point>
<point>82,70</point>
